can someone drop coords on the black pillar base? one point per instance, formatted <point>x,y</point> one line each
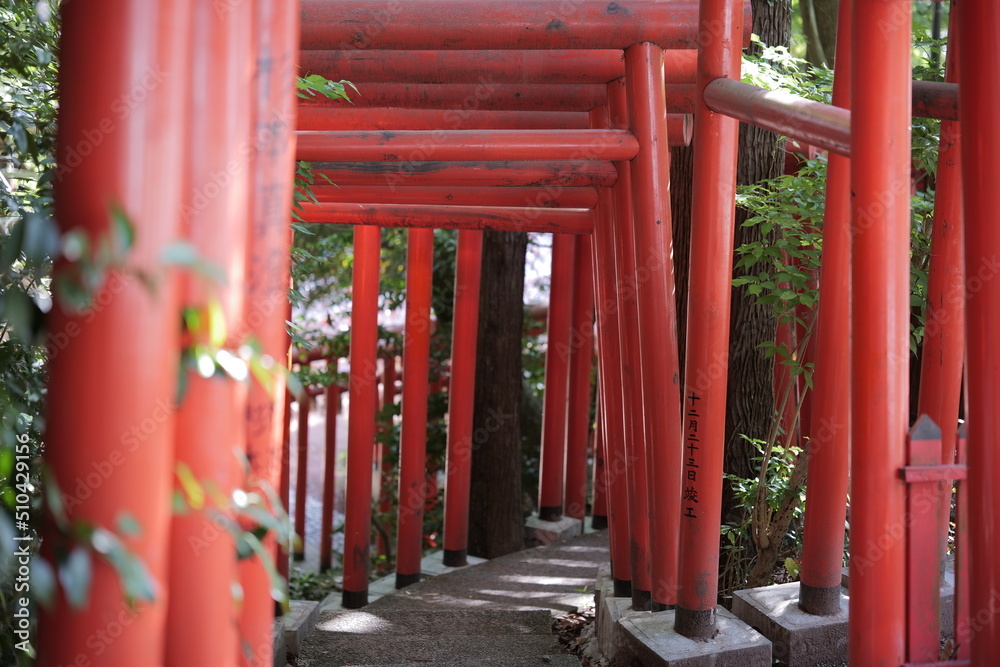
<point>404,580</point>
<point>819,601</point>
<point>622,588</point>
<point>598,522</point>
<point>354,599</point>
<point>455,557</point>
<point>641,599</point>
<point>553,513</point>
<point>695,624</point>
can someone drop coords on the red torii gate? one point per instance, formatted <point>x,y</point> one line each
<point>651,430</point>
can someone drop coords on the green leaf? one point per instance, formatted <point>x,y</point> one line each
<point>75,576</point>
<point>194,493</point>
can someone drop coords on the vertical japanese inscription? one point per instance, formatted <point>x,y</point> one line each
<point>689,498</point>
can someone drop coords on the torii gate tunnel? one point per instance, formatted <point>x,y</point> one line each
<point>541,116</point>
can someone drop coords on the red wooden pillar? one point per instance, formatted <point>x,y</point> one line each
<point>550,486</point>
<point>382,459</point>
<point>461,394</point>
<point>943,353</point>
<point>302,473</point>
<point>632,390</point>
<point>830,440</point>
<point>276,37</point>
<point>707,360</point>
<point>580,363</point>
<point>979,99</point>
<point>880,186</point>
<point>599,483</point>
<point>124,354</point>
<point>657,315</point>
<point>329,476</point>
<point>413,436</point>
<point>361,419</point>
<point>211,416</point>
<point>609,377</point>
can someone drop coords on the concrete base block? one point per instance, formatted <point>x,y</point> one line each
<point>609,616</point>
<point>278,636</point>
<point>299,622</point>
<point>604,587</point>
<point>648,639</point>
<point>947,594</point>
<point>540,533</point>
<point>433,565</point>
<point>798,639</point>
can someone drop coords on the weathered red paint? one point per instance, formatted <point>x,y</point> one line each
<point>581,350</point>
<point>926,502</point>
<point>934,99</point>
<point>815,123</point>
<point>880,230</point>
<point>979,98</point>
<point>610,380</point>
<point>660,371</point>
<point>632,389</point>
<point>541,174</point>
<point>555,399</point>
<point>413,431</point>
<point>361,419</point>
<point>125,354</point>
<point>462,97</point>
<point>345,117</point>
<point>551,66</point>
<point>329,476</point>
<point>829,444</point>
<point>577,197</point>
<point>559,220</point>
<point>461,394</point>
<point>707,362</point>
<point>458,145</point>
<point>516,24</point>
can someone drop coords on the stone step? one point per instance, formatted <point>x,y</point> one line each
<point>395,622</point>
<point>556,660</point>
<point>387,648</point>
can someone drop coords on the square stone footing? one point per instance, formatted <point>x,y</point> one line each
<point>538,532</point>
<point>609,629</point>
<point>947,594</point>
<point>647,639</point>
<point>798,639</point>
<point>433,565</point>
<point>299,622</point>
<point>278,637</point>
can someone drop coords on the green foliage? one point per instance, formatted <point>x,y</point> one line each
<point>315,586</point>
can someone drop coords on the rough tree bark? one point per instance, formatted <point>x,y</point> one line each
<point>819,23</point>
<point>496,522</point>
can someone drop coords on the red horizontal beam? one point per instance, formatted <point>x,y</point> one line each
<point>568,221</point>
<point>458,145</point>
<point>346,117</point>
<point>585,173</point>
<point>551,67</point>
<point>512,24</point>
<point>932,99</point>
<point>932,473</point>
<point>472,96</point>
<point>467,196</point>
<point>816,123</point>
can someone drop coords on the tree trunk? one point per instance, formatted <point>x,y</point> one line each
<point>496,521</point>
<point>819,23</point>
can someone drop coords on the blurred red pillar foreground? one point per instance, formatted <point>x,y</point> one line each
<point>276,34</point>
<point>210,419</point>
<point>123,355</point>
<point>880,232</point>
<point>979,99</point>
